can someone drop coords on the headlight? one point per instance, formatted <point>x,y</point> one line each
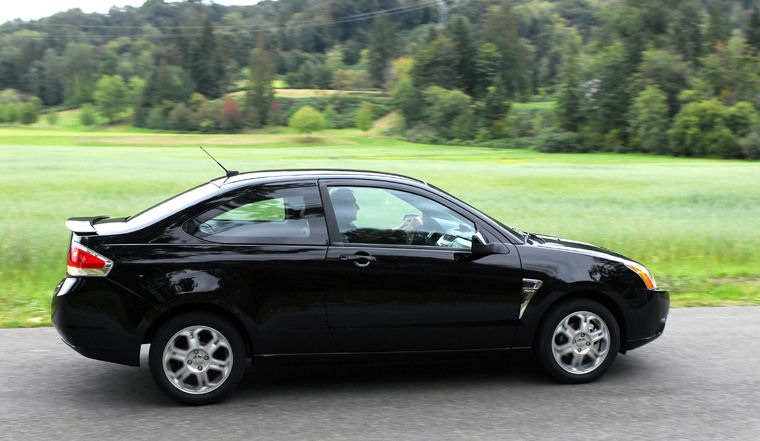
<point>644,273</point>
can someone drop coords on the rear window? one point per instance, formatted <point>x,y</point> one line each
<point>272,215</point>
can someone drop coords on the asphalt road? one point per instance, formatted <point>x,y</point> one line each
<point>700,380</point>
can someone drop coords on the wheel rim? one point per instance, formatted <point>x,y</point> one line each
<point>197,359</point>
<point>580,342</point>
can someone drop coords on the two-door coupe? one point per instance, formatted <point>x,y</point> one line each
<point>319,262</point>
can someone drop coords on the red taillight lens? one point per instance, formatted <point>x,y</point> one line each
<point>79,258</point>
<point>85,262</point>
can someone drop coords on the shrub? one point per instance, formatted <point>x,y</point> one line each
<point>721,142</point>
<point>741,118</point>
<point>52,118</point>
<point>751,144</point>
<point>11,113</point>
<point>179,118</point>
<point>307,119</point>
<point>555,140</point>
<point>87,116</point>
<point>230,117</point>
<point>364,117</point>
<point>156,119</point>
<point>27,113</point>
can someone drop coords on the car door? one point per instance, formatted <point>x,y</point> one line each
<point>390,287</point>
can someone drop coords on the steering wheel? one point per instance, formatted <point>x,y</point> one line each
<point>425,233</point>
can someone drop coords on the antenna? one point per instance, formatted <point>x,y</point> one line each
<point>230,173</point>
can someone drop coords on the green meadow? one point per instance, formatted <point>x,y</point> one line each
<point>694,222</point>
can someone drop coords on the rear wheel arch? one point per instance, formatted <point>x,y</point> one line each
<point>224,313</point>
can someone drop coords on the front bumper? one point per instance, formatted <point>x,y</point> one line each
<point>647,321</point>
<point>99,319</point>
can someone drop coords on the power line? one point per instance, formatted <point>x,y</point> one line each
<point>235,29</point>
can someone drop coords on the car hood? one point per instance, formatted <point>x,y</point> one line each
<point>574,246</point>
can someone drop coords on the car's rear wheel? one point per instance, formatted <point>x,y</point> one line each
<point>578,341</point>
<point>197,358</point>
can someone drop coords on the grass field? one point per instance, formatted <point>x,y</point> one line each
<point>693,222</point>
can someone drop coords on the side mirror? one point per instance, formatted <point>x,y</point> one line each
<point>480,248</point>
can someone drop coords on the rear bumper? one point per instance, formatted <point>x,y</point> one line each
<point>99,319</point>
<point>648,321</point>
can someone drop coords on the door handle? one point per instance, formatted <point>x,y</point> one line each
<point>360,260</point>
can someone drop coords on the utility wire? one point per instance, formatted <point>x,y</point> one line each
<point>236,29</point>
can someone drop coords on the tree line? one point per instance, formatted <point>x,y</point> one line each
<point>678,77</point>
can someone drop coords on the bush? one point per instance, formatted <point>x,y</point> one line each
<point>87,116</point>
<point>27,113</point>
<point>306,120</point>
<point>555,140</point>
<point>11,113</point>
<point>751,144</point>
<point>52,118</point>
<point>156,119</point>
<point>230,117</point>
<point>179,118</point>
<point>741,118</point>
<point>364,117</point>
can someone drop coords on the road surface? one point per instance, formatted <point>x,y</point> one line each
<point>700,380</point>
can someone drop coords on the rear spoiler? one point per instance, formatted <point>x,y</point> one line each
<point>84,225</point>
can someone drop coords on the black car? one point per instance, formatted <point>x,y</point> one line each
<point>318,262</point>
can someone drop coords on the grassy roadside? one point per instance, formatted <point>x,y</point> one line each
<point>692,221</point>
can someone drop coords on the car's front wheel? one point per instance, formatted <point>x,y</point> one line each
<point>578,341</point>
<point>197,358</point>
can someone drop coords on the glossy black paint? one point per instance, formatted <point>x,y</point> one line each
<point>322,299</point>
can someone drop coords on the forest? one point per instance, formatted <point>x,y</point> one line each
<point>677,77</point>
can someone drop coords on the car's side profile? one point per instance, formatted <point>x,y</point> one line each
<point>297,262</point>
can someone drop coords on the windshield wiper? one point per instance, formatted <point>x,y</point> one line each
<point>535,237</point>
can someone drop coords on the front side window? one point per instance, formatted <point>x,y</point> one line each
<point>392,217</point>
<point>285,215</point>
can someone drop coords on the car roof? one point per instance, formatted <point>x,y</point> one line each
<point>275,175</point>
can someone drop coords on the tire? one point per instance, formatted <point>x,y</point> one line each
<point>197,358</point>
<point>578,341</point>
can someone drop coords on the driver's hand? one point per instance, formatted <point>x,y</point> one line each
<point>410,224</point>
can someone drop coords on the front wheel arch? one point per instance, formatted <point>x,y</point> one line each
<point>595,296</point>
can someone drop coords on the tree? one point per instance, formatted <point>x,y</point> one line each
<point>435,65</point>
<point>408,100</point>
<point>753,29</point>
<point>306,120</point>
<point>260,92</point>
<point>205,64</point>
<point>666,70</point>
<point>464,53</point>
<point>500,29</point>
<point>741,118</point>
<point>699,129</point>
<point>487,67</point>
<point>136,86</point>
<point>382,48</point>
<point>612,97</point>
<point>570,99</point>
<point>111,96</point>
<point>717,28</point>
<point>649,121</point>
<point>448,110</point>
<point>364,117</point>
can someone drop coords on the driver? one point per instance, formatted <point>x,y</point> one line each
<point>346,209</point>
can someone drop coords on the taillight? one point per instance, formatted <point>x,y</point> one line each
<point>85,262</point>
